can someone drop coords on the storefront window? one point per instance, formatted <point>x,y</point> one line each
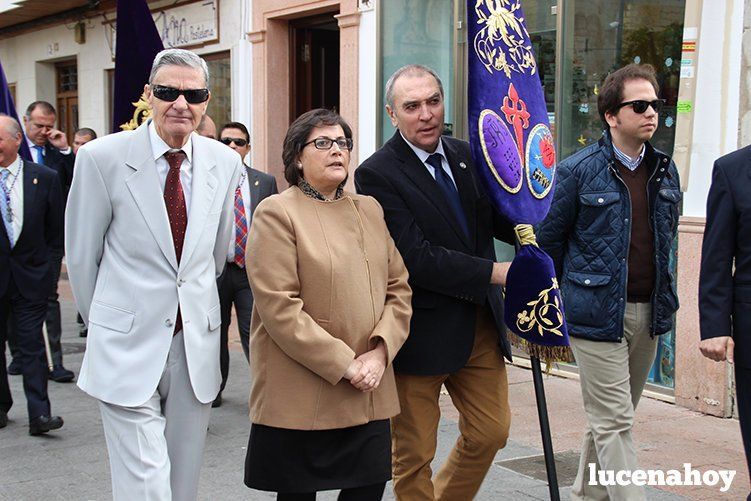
<point>602,35</point>
<point>417,32</point>
<point>220,106</point>
<point>541,24</point>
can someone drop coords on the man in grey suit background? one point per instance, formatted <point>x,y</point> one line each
<point>149,222</point>
<point>253,187</point>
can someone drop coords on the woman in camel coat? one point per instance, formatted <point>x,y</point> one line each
<point>331,310</point>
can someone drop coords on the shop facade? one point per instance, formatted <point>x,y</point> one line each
<point>694,45</point>
<point>67,58</point>
<point>273,59</point>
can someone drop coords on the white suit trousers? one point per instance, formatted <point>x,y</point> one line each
<point>156,449</point>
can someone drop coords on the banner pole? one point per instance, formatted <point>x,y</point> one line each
<point>547,442</point>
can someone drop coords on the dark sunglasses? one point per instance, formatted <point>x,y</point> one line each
<point>239,142</point>
<point>325,143</point>
<point>640,105</point>
<point>169,94</point>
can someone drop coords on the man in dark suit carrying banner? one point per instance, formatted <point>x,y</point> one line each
<point>443,225</point>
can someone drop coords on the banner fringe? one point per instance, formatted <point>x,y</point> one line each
<point>547,354</point>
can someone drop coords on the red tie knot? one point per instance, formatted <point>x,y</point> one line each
<point>175,158</point>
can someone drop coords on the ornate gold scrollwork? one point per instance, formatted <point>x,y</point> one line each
<point>140,115</point>
<point>545,315</point>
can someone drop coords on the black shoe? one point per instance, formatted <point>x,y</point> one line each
<point>43,424</point>
<point>60,374</point>
<point>217,401</point>
<point>3,419</point>
<point>14,368</point>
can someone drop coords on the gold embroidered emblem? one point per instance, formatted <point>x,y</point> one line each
<point>545,315</point>
<point>503,42</point>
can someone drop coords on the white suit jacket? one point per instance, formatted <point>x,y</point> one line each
<point>123,269</point>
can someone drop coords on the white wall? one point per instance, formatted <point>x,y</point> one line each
<point>242,69</point>
<point>717,96</point>
<point>369,102</point>
<point>28,61</point>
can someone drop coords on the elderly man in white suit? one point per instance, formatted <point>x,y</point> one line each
<point>149,220</point>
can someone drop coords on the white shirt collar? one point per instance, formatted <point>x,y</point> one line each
<point>159,147</point>
<point>630,163</point>
<point>15,167</point>
<point>422,154</point>
<point>31,143</point>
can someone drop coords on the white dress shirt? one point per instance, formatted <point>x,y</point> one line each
<point>245,192</point>
<point>630,163</point>
<point>35,153</point>
<point>16,195</point>
<point>159,148</point>
<point>423,156</point>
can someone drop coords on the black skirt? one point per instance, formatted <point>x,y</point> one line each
<point>298,461</point>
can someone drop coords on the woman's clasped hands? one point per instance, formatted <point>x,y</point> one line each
<point>365,371</point>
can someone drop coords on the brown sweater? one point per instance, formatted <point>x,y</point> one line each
<point>641,267</point>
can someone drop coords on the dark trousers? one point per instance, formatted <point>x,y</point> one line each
<point>234,289</point>
<point>53,319</point>
<point>743,391</point>
<point>28,316</point>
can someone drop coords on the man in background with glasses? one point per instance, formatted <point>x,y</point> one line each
<point>253,187</point>
<point>610,232</point>
<point>149,223</point>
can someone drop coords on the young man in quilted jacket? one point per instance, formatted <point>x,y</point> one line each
<point>610,232</point>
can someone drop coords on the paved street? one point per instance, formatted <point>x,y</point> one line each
<point>71,464</point>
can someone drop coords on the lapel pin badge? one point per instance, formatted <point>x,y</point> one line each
<point>35,181</point>
<point>462,165</point>
<point>256,183</point>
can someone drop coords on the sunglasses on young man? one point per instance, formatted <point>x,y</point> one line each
<point>239,142</point>
<point>640,106</point>
<point>169,94</point>
<point>325,143</point>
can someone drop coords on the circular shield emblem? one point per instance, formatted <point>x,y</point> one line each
<point>540,156</point>
<point>500,151</point>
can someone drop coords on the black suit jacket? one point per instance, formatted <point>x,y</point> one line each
<point>724,292</point>
<point>28,262</point>
<point>62,164</point>
<point>261,185</point>
<point>449,271</point>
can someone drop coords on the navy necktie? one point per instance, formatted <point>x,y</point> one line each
<point>40,154</point>
<point>449,190</point>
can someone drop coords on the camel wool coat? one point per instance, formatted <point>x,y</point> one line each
<point>328,283</point>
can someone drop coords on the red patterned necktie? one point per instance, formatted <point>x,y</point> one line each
<point>174,199</point>
<point>241,227</point>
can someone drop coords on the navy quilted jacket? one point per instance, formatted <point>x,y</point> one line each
<point>587,233</point>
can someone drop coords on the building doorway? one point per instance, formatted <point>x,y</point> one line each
<point>314,64</point>
<point>67,98</point>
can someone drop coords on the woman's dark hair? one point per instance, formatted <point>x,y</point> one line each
<point>297,136</point>
<point>611,93</point>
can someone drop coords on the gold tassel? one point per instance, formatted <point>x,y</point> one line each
<point>525,234</point>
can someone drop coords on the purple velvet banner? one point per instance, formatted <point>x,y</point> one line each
<point>512,144</point>
<point>514,153</point>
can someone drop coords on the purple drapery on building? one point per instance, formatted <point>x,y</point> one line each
<point>7,107</point>
<point>137,43</point>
